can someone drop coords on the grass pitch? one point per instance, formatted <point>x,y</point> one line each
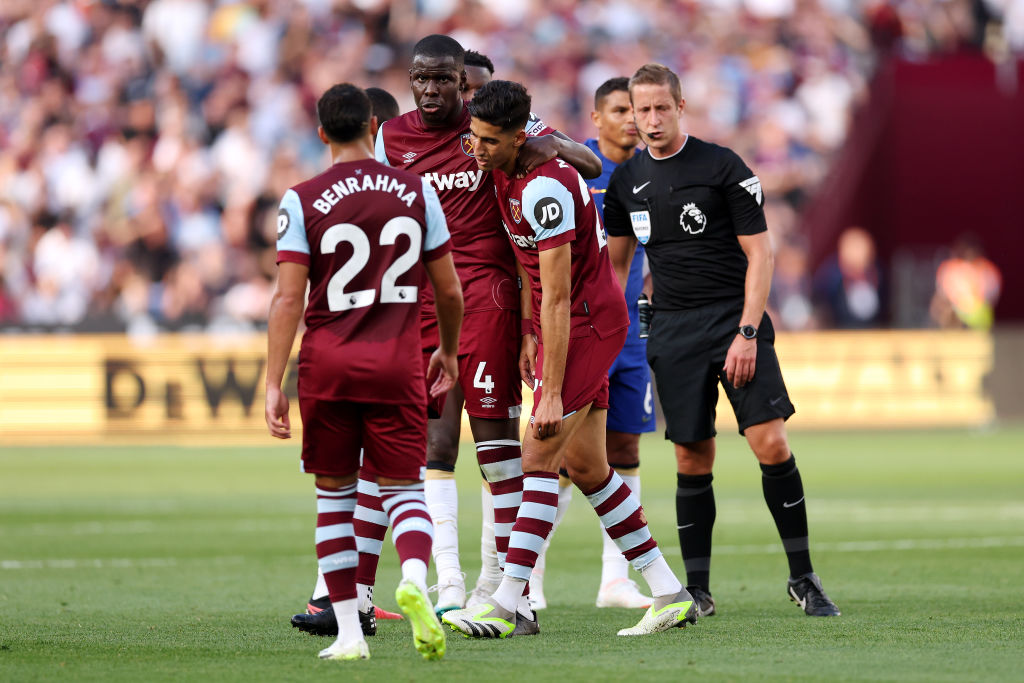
<point>176,563</point>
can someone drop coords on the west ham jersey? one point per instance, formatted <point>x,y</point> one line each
<point>444,157</point>
<point>550,207</point>
<point>364,230</point>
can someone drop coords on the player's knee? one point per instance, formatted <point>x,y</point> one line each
<point>443,451</point>
<point>588,476</point>
<point>326,482</point>
<point>697,457</point>
<point>623,450</point>
<point>441,447</point>
<point>771,447</point>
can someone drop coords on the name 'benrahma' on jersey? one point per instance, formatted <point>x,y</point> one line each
<point>550,207</point>
<point>687,210</point>
<point>364,230</point>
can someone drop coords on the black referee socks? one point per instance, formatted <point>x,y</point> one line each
<point>784,494</point>
<point>695,517</point>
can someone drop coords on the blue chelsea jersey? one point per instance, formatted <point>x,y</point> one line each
<point>635,282</point>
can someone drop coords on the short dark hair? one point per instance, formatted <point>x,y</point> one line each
<point>437,45</point>
<point>474,58</point>
<point>617,84</point>
<point>383,104</point>
<point>505,104</point>
<point>656,74</point>
<point>344,112</point>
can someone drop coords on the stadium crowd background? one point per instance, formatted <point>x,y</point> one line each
<point>145,144</point>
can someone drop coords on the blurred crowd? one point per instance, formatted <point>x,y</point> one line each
<point>144,144</point>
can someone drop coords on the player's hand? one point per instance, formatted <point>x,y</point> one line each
<point>536,151</point>
<point>443,369</point>
<point>276,413</point>
<point>528,359</point>
<point>547,418</point>
<point>740,361</point>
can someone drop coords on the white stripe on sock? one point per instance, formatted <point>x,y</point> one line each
<point>502,471</point>
<point>620,512</point>
<point>346,559</point>
<point>327,505</point>
<point>525,540</point>
<point>421,524</point>
<point>633,539</point>
<point>365,514</point>
<point>604,494</point>
<point>340,493</point>
<point>369,545</point>
<point>495,443</point>
<point>540,484</point>
<point>333,531</point>
<point>539,511</point>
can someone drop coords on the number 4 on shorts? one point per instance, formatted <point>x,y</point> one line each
<point>481,381</point>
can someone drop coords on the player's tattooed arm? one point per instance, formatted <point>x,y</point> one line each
<point>543,148</point>
<point>286,308</point>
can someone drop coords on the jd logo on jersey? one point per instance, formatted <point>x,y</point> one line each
<point>282,223</point>
<point>517,210</point>
<point>548,212</point>
<point>641,221</point>
<point>692,219</point>
<point>467,144</point>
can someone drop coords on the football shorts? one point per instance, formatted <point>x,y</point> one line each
<point>687,350</point>
<point>393,438</point>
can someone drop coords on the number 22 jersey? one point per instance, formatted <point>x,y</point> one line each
<point>364,230</point>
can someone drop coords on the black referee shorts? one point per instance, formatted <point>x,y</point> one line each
<point>686,351</point>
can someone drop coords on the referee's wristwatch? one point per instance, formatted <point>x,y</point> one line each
<point>747,331</point>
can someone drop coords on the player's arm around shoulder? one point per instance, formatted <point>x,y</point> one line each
<point>440,267</point>
<point>539,149</point>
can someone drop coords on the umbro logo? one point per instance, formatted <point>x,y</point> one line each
<point>753,186</point>
<point>409,156</point>
<point>489,401</point>
<point>637,188</point>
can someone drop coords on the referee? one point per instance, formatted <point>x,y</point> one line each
<point>697,210</point>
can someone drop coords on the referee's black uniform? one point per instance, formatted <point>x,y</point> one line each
<point>690,210</point>
<point>687,210</point>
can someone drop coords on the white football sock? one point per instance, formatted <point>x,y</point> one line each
<point>416,571</point>
<point>320,589</point>
<point>364,594</point>
<point>660,578</point>
<point>489,570</point>
<point>443,504</point>
<point>347,615</point>
<point>509,592</point>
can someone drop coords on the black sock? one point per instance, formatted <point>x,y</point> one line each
<point>695,517</point>
<point>784,494</point>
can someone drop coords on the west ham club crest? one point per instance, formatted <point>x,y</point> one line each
<point>467,144</point>
<point>517,210</point>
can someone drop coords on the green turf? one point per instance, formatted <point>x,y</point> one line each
<point>177,563</point>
